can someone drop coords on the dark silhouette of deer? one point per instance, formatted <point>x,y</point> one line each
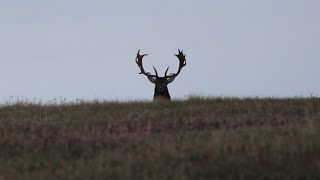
<point>161,90</point>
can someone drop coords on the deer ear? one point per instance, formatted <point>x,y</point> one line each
<point>170,79</point>
<point>152,79</point>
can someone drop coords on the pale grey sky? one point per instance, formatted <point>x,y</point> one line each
<point>86,49</point>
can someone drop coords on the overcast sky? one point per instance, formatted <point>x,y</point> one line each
<point>86,49</point>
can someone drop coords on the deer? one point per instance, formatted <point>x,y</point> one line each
<point>161,91</point>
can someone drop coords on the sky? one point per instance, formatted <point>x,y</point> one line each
<point>80,49</point>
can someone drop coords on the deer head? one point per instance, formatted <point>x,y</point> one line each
<point>161,90</point>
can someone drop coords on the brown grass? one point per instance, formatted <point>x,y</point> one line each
<point>213,138</point>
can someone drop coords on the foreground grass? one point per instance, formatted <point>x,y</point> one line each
<point>221,138</point>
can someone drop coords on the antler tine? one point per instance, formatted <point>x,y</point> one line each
<point>139,58</point>
<point>155,70</point>
<point>165,74</point>
<point>182,62</point>
<point>182,58</point>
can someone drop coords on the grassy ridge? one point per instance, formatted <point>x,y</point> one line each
<point>220,138</point>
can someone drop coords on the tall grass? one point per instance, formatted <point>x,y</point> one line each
<point>200,138</point>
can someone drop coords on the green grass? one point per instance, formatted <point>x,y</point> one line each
<point>200,138</point>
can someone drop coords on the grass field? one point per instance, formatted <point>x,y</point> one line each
<point>199,138</point>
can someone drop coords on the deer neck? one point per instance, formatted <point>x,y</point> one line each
<point>164,94</point>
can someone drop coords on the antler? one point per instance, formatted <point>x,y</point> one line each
<point>169,78</point>
<point>182,63</point>
<point>140,65</point>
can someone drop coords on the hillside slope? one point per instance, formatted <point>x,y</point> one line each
<point>200,138</point>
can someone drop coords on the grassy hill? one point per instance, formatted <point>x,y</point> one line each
<point>200,138</point>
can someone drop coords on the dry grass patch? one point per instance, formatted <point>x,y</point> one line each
<point>219,138</point>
